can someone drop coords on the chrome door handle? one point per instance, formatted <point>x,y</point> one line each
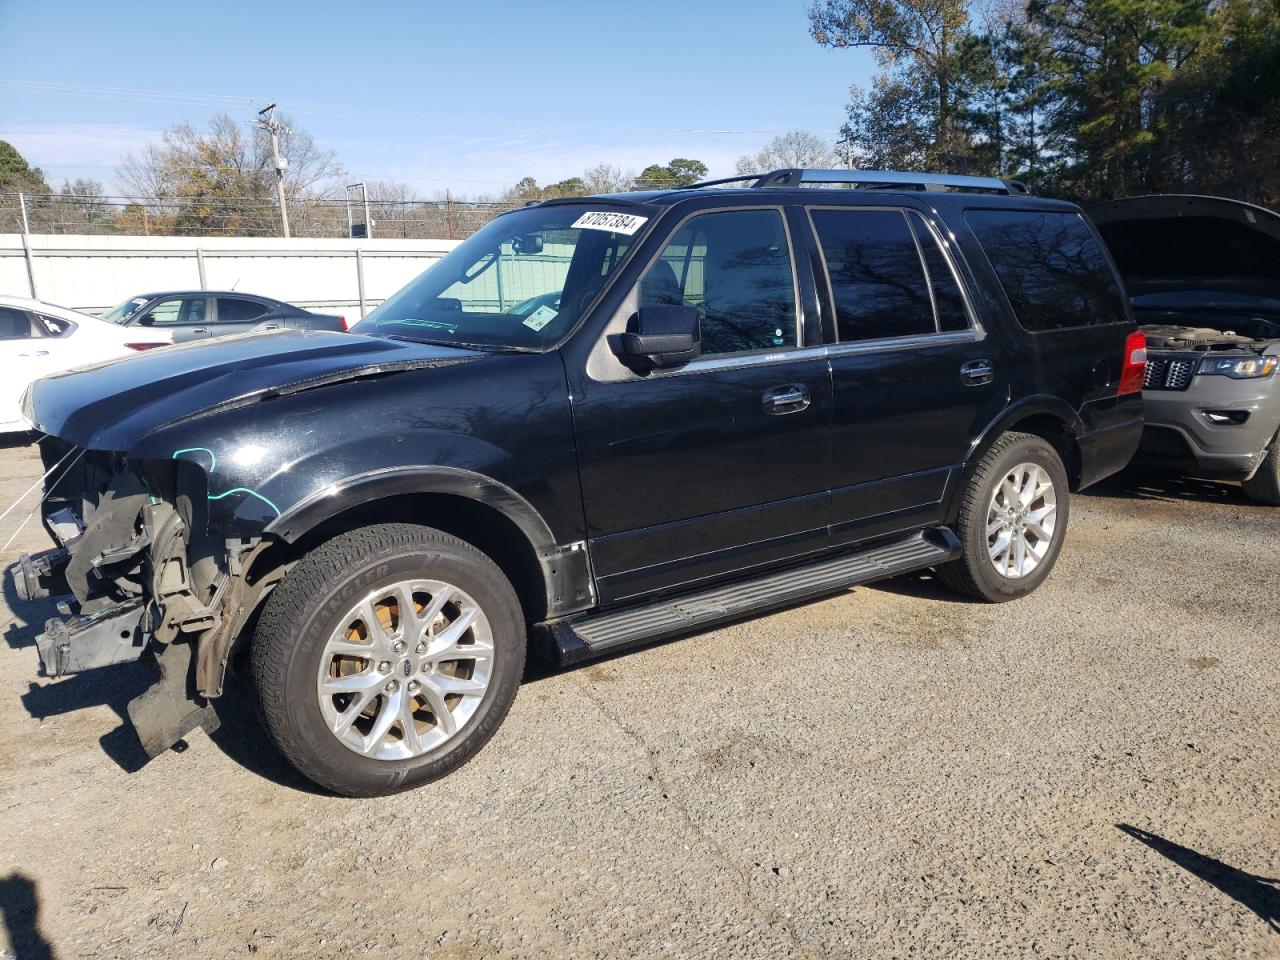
<point>977,372</point>
<point>200,330</point>
<point>36,353</point>
<point>791,398</point>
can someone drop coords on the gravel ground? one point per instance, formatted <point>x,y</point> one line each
<point>1088,772</point>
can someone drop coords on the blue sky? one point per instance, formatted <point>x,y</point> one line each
<point>466,96</point>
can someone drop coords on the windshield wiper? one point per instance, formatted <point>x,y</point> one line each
<point>483,347</point>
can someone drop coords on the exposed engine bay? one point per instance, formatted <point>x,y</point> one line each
<point>1234,333</point>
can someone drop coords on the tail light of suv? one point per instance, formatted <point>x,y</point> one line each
<point>1135,363</point>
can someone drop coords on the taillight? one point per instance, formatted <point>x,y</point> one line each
<point>1135,363</point>
<point>146,346</point>
<point>343,321</point>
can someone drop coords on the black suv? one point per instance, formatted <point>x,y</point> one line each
<point>595,423</point>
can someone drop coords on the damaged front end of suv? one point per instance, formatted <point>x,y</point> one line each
<point>167,478</point>
<point>143,573</point>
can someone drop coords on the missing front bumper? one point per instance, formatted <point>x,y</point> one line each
<point>166,711</point>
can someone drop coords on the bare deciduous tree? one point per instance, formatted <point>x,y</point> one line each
<point>792,149</point>
<point>222,180</point>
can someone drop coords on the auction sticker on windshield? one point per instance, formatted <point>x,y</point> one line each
<point>540,318</point>
<point>626,223</point>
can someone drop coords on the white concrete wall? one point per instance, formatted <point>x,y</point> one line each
<point>94,273</point>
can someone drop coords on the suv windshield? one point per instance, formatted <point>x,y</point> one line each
<point>519,283</point>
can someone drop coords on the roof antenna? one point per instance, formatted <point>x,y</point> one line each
<point>236,284</point>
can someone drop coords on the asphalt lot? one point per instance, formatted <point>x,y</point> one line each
<point>1090,772</point>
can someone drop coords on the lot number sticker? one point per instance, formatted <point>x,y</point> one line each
<point>540,317</point>
<point>627,223</point>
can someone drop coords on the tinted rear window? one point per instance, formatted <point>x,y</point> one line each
<point>1053,270</point>
<point>877,279</point>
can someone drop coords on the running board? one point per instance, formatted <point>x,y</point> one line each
<point>582,637</point>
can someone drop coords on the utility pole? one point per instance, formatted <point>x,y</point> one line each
<point>266,120</point>
<point>847,143</point>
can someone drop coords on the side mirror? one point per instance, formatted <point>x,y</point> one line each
<point>146,321</point>
<point>664,336</point>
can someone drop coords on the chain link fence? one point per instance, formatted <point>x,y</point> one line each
<point>240,216</point>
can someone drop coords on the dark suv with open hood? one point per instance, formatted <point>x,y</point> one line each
<point>595,423</point>
<point>1203,274</point>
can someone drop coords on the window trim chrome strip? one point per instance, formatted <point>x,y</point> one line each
<point>827,351</point>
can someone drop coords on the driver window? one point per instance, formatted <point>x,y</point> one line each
<point>734,267</point>
<point>177,310</point>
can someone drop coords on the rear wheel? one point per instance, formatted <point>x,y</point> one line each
<point>1264,485</point>
<point>387,658</point>
<point>1013,518</point>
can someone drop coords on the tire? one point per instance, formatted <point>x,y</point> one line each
<point>368,591</point>
<point>1264,485</point>
<point>975,572</point>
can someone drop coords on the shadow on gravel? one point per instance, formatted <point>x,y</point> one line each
<point>241,737</point>
<point>109,686</point>
<point>1151,483</point>
<point>11,441</point>
<point>1259,894</point>
<point>20,907</point>
<point>28,616</point>
<point>923,584</point>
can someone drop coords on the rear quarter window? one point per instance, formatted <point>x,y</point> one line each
<point>1052,268</point>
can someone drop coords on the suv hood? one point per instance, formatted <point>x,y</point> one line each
<point>1211,252</point>
<point>110,406</point>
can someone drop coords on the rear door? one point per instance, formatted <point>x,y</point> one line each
<point>187,317</point>
<point>25,355</point>
<point>708,469</point>
<point>239,315</point>
<point>1068,301</point>
<point>915,378</point>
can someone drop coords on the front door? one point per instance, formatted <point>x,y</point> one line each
<point>696,472</point>
<point>915,379</point>
<point>186,316</point>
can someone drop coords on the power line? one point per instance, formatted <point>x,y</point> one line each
<point>310,107</point>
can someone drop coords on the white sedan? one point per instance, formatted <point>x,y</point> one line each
<point>37,339</point>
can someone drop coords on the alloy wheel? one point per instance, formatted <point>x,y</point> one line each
<point>406,669</point>
<point>1021,519</point>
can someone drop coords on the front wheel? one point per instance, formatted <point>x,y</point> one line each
<point>1264,485</point>
<point>387,658</point>
<point>1013,518</point>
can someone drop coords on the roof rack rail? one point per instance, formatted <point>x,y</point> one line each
<point>876,180</point>
<point>715,183</point>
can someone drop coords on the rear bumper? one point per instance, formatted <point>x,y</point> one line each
<point>1113,432</point>
<point>1108,451</point>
